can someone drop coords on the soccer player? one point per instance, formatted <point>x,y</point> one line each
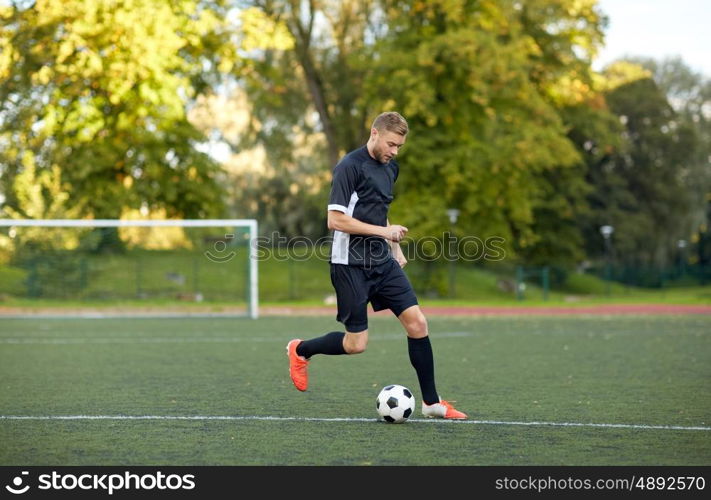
<point>366,263</point>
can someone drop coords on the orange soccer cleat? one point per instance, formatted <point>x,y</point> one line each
<point>297,366</point>
<point>443,409</point>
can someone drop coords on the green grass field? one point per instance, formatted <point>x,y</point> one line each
<point>646,376</point>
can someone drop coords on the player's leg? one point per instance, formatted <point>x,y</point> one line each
<point>395,293</point>
<point>352,299</point>
<point>330,343</point>
<point>419,349</point>
<point>352,312</point>
<point>333,343</point>
<point>422,359</point>
<point>355,342</point>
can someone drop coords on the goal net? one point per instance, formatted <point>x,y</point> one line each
<point>161,266</point>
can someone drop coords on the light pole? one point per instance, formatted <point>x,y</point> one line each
<point>606,232</point>
<point>453,215</point>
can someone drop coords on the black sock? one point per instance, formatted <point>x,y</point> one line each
<point>331,343</point>
<point>420,351</point>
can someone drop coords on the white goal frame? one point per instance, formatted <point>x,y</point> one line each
<point>253,306</point>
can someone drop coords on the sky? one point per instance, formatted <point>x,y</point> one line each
<point>658,29</point>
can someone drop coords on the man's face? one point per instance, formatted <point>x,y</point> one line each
<point>386,144</point>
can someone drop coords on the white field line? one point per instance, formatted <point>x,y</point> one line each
<point>237,418</point>
<point>182,340</point>
<point>142,340</point>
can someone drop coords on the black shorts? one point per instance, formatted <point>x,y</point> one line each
<point>385,286</point>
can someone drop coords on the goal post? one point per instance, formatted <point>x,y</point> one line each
<point>155,261</point>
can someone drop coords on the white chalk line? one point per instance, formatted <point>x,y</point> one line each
<point>181,340</point>
<point>178,340</point>
<point>237,418</point>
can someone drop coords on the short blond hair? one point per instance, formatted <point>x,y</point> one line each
<point>391,121</point>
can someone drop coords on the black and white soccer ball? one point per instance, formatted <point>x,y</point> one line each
<point>395,403</point>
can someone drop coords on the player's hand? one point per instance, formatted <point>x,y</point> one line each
<point>395,232</point>
<point>401,260</point>
<point>398,255</point>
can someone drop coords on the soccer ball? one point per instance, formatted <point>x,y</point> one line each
<point>395,403</point>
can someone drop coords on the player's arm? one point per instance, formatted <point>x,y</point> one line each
<point>397,252</point>
<point>340,221</point>
<point>345,180</point>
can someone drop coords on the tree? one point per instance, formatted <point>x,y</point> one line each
<point>642,188</point>
<point>302,80</point>
<point>100,89</point>
<point>689,93</point>
<point>481,83</point>
<point>565,37</point>
<point>486,135</point>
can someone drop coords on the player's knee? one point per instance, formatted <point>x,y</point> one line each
<point>356,344</point>
<point>417,326</point>
<point>356,349</point>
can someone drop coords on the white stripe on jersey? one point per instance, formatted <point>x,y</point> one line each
<point>341,240</point>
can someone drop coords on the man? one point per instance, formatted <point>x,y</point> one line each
<point>366,263</point>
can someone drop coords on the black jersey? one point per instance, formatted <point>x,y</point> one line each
<point>362,187</point>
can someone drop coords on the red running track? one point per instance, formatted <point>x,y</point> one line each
<point>606,309</point>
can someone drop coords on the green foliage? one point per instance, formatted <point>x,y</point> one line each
<point>100,88</point>
<point>689,93</point>
<point>649,196</point>
<point>597,134</point>
<point>13,281</point>
<point>484,132</point>
<point>304,92</point>
<point>509,124</point>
